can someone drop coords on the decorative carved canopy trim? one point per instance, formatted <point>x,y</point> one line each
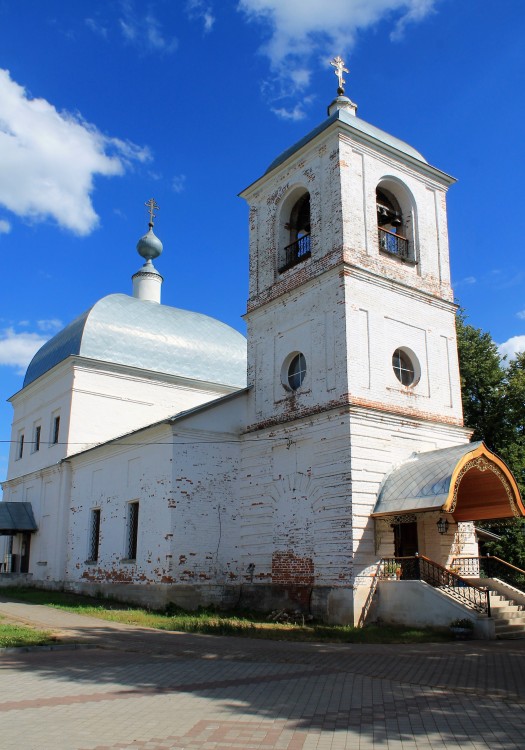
<point>468,471</point>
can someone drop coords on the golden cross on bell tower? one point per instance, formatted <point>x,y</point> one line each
<point>339,66</point>
<point>151,206</point>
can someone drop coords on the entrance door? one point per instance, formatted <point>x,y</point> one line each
<point>405,539</point>
<point>24,553</point>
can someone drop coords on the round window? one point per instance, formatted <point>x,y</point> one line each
<point>296,371</point>
<point>404,368</point>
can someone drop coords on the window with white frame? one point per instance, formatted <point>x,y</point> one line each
<point>406,367</point>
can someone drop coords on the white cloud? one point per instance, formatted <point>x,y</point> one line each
<point>296,113</point>
<point>18,349</point>
<point>512,346</point>
<point>199,9</point>
<point>521,314</point>
<point>49,160</point>
<point>302,30</point>
<point>178,183</point>
<point>146,32</point>
<point>5,227</point>
<point>300,27</point>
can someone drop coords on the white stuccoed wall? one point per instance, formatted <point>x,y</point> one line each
<point>185,478</point>
<point>96,402</point>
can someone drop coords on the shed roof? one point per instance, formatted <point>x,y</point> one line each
<point>15,517</point>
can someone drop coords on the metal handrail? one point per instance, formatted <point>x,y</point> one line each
<point>491,567</point>
<point>296,252</point>
<point>392,243</point>
<point>424,569</point>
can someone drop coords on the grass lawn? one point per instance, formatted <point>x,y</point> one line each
<point>22,635</point>
<point>252,625</point>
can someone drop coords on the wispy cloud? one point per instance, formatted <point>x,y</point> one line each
<point>178,183</point>
<point>521,314</point>
<point>467,281</point>
<point>50,159</point>
<point>5,226</point>
<point>96,27</point>
<point>296,113</point>
<point>145,32</point>
<point>301,31</point>
<point>512,346</point>
<point>202,11</point>
<point>52,325</point>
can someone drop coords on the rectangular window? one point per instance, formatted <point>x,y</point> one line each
<point>132,531</point>
<point>38,430</point>
<point>56,430</point>
<point>20,446</point>
<point>94,535</point>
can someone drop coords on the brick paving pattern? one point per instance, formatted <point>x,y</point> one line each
<point>136,689</point>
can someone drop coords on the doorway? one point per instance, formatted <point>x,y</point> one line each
<point>24,553</point>
<point>405,539</point>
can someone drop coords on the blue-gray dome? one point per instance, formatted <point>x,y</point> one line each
<point>149,246</point>
<point>129,331</point>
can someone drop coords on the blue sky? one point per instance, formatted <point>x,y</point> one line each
<point>106,104</point>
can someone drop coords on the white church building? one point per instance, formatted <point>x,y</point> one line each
<point>159,456</point>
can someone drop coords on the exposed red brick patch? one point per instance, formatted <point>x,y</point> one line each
<point>288,567</point>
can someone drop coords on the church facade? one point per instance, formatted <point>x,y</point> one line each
<point>158,456</point>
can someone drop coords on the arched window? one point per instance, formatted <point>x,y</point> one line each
<point>394,222</point>
<point>297,232</point>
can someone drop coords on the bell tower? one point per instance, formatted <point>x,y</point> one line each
<point>349,267</point>
<point>352,352</point>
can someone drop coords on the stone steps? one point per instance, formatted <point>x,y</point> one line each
<point>509,616</point>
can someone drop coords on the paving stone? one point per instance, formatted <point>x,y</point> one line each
<point>139,689</point>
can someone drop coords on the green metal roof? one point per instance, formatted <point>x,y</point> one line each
<point>15,517</point>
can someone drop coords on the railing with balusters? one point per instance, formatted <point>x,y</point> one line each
<point>395,244</point>
<point>421,568</point>
<point>490,567</point>
<point>296,252</point>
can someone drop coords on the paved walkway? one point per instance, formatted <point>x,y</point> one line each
<point>139,689</point>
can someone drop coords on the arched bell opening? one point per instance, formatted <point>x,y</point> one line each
<point>395,219</point>
<point>295,228</point>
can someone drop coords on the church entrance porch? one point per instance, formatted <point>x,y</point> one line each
<point>429,504</point>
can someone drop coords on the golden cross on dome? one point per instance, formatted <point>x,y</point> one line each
<point>151,206</point>
<point>339,66</point>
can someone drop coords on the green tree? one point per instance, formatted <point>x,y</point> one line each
<point>482,384</point>
<point>514,453</point>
